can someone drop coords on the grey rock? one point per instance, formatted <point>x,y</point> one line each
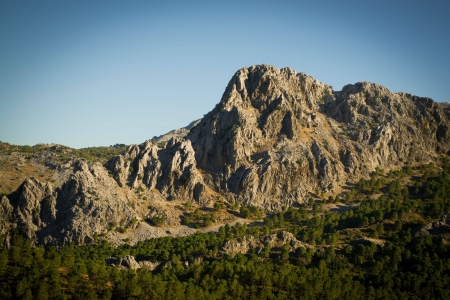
<point>177,133</point>
<point>170,170</point>
<point>275,241</point>
<point>148,265</point>
<point>278,135</point>
<point>241,245</point>
<point>129,262</point>
<point>6,219</point>
<point>282,238</point>
<point>86,204</point>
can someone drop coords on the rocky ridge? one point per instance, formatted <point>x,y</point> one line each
<point>278,135</point>
<point>275,138</point>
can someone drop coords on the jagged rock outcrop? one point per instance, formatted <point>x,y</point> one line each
<point>36,206</point>
<point>171,170</point>
<point>6,218</point>
<point>88,203</point>
<point>274,241</point>
<point>241,245</point>
<point>129,262</point>
<point>32,208</point>
<point>282,238</point>
<point>386,128</point>
<point>148,265</point>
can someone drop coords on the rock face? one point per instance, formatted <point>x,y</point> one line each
<point>129,262</point>
<point>36,206</point>
<point>170,169</point>
<point>6,219</point>
<point>86,204</point>
<point>275,137</point>
<point>241,245</point>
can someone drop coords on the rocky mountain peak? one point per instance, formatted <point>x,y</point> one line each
<point>277,135</point>
<point>276,138</point>
<point>260,85</point>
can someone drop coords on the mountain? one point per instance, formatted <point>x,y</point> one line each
<point>277,135</point>
<point>275,139</point>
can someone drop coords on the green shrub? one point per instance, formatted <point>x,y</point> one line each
<point>158,220</point>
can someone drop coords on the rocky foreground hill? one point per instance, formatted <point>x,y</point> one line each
<point>276,138</point>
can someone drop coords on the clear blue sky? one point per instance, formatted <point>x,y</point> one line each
<point>96,73</point>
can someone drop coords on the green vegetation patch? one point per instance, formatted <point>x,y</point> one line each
<point>399,266</point>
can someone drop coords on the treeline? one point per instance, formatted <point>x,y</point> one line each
<point>400,266</point>
<point>91,154</point>
<point>419,269</point>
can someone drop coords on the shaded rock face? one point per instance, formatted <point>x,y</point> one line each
<point>6,218</point>
<point>36,206</point>
<point>33,207</point>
